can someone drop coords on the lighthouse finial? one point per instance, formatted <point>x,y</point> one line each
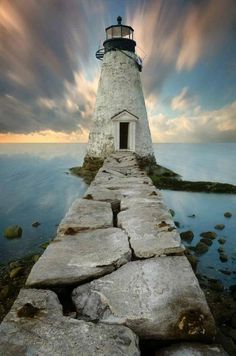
<point>119,20</point>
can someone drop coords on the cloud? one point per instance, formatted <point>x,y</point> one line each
<point>70,112</point>
<point>206,126</point>
<point>176,35</point>
<point>204,30</point>
<point>47,64</point>
<point>48,72</point>
<point>184,101</point>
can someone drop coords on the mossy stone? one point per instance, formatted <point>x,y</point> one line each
<point>35,258</point>
<point>219,226</point>
<point>177,224</point>
<point>14,264</point>
<point>223,257</point>
<point>201,248</point>
<point>13,232</point>
<point>36,224</point>
<point>15,272</point>
<point>44,245</point>
<point>187,235</point>
<point>208,235</point>
<point>4,292</point>
<point>222,241</point>
<point>208,242</point>
<point>172,212</point>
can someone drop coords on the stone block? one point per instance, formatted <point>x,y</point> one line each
<point>86,214</point>
<point>151,231</point>
<point>35,326</point>
<point>159,298</point>
<point>72,259</point>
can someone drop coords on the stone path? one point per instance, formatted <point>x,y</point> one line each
<point>118,251</point>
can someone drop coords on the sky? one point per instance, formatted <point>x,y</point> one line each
<point>49,73</point>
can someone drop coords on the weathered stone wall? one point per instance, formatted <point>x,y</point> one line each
<point>119,89</point>
<point>118,257</point>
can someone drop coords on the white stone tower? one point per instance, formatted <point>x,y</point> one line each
<point>120,119</point>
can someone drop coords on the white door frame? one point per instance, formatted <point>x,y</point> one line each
<point>129,118</point>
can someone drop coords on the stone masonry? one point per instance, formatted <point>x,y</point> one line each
<point>119,256</point>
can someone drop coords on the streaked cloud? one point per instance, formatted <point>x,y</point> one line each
<point>48,72</point>
<point>206,126</point>
<point>184,101</point>
<point>174,39</point>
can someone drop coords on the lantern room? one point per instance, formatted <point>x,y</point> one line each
<point>119,37</point>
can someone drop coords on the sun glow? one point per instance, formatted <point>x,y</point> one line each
<point>47,136</point>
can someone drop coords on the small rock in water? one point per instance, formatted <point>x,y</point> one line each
<point>177,223</point>
<point>219,226</point>
<point>208,242</point>
<point>222,241</point>
<point>44,245</point>
<point>201,247</point>
<point>4,292</point>
<point>221,249</point>
<point>215,284</point>
<point>172,212</point>
<point>208,235</point>
<point>223,257</point>
<point>225,271</point>
<point>13,232</point>
<point>227,214</point>
<point>35,258</point>
<point>233,321</point>
<point>15,272</point>
<point>192,216</point>
<point>36,224</point>
<point>14,264</point>
<point>187,235</point>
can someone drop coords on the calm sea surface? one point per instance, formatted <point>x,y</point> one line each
<point>35,186</point>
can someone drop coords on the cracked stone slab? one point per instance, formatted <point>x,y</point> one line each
<point>144,191</point>
<point>101,193</point>
<point>151,231</point>
<point>159,298</point>
<point>121,181</point>
<point>86,214</point>
<point>192,349</point>
<point>153,202</point>
<point>35,326</point>
<point>72,259</point>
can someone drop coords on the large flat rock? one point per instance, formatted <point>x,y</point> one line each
<point>86,214</point>
<point>151,230</point>
<point>158,298</point>
<point>152,202</point>
<point>36,326</point>
<point>102,193</point>
<point>72,259</point>
<point>192,349</point>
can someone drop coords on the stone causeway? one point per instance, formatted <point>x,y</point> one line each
<point>114,280</point>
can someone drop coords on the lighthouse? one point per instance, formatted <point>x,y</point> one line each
<point>120,120</point>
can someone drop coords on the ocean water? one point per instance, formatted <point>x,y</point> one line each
<point>35,186</point>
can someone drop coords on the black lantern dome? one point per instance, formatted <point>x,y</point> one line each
<point>118,37</point>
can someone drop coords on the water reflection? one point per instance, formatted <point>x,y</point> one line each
<point>209,210</point>
<point>35,187</point>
